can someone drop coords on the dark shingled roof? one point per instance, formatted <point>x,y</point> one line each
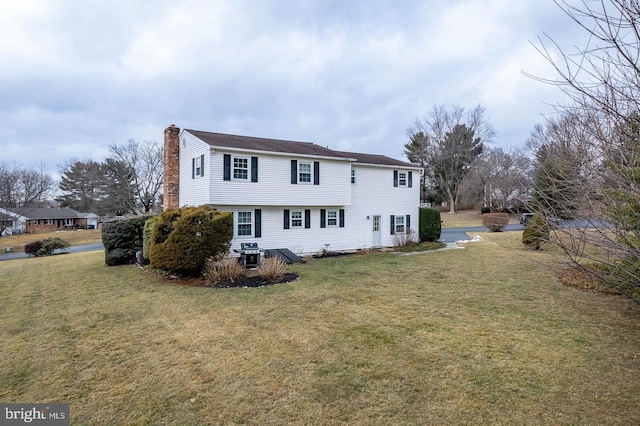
<point>293,147</point>
<point>47,213</point>
<point>375,159</point>
<point>263,144</point>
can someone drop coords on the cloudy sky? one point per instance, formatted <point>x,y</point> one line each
<point>77,76</point>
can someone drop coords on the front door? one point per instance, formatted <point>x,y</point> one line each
<point>377,236</point>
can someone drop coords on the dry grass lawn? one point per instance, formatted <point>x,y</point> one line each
<point>465,218</point>
<point>75,238</point>
<point>482,335</point>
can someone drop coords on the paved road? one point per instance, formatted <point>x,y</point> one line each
<point>73,249</point>
<point>452,235</point>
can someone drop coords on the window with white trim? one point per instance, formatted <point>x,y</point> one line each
<point>296,218</point>
<point>244,224</point>
<point>197,165</point>
<point>48,221</point>
<point>68,222</point>
<point>32,222</point>
<point>400,225</point>
<point>241,168</point>
<point>402,178</point>
<point>353,177</point>
<point>304,172</point>
<point>332,217</point>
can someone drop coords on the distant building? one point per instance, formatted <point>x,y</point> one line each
<point>35,220</point>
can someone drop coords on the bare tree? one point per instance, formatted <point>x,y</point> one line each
<point>603,81</point>
<point>447,143</point>
<point>144,163</point>
<point>24,186</point>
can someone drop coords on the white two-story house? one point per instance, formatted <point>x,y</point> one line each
<point>293,195</point>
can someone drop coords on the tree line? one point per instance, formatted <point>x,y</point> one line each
<point>129,180</point>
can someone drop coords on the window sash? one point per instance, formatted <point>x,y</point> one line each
<point>353,177</point>
<point>402,179</point>
<point>245,224</point>
<point>296,219</point>
<point>240,168</point>
<point>399,224</point>
<point>332,218</point>
<point>198,166</point>
<point>304,172</point>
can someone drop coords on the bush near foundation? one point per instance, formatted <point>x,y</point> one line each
<point>430,225</point>
<point>146,236</point>
<point>495,222</point>
<point>183,239</point>
<point>122,238</point>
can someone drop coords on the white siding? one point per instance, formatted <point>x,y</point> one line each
<point>274,187</point>
<point>193,191</point>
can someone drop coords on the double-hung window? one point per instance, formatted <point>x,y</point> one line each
<point>353,177</point>
<point>296,219</point>
<point>304,172</point>
<point>400,225</point>
<point>402,178</point>
<point>241,168</point>
<point>245,223</point>
<point>68,222</point>
<point>332,218</point>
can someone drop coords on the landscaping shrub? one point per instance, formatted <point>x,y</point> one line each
<point>536,233</point>
<point>272,268</point>
<point>146,236</point>
<point>408,238</point>
<point>495,221</point>
<point>222,268</point>
<point>430,224</point>
<point>45,247</point>
<point>32,248</point>
<point>48,245</point>
<point>122,238</point>
<point>182,239</point>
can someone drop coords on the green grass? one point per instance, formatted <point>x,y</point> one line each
<point>481,335</point>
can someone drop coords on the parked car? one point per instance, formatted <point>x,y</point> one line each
<point>525,218</point>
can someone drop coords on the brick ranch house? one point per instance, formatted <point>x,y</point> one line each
<point>294,195</point>
<point>35,220</point>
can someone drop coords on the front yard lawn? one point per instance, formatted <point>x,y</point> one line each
<point>481,335</point>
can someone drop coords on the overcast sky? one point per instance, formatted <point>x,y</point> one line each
<point>77,76</point>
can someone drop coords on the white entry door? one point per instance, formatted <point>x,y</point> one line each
<point>375,227</point>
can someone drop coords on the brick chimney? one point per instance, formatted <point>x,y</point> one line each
<point>171,167</point>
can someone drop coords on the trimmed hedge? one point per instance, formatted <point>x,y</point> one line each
<point>495,221</point>
<point>183,239</point>
<point>122,238</point>
<point>46,247</point>
<point>430,225</point>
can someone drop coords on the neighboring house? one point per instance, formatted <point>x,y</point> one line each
<point>294,195</point>
<point>34,220</point>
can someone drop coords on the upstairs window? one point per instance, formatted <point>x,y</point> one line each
<point>197,167</point>
<point>353,177</point>
<point>296,219</point>
<point>240,168</point>
<point>402,178</point>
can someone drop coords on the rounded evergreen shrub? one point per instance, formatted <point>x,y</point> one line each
<point>49,245</point>
<point>536,233</point>
<point>183,239</point>
<point>122,238</point>
<point>146,236</point>
<point>430,224</point>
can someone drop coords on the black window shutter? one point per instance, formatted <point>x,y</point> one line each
<point>294,171</point>
<point>395,178</point>
<point>307,218</point>
<point>410,179</point>
<point>323,218</point>
<point>227,167</point>
<point>202,165</point>
<point>254,169</point>
<point>258,223</point>
<point>408,224</point>
<point>393,225</point>
<point>316,173</point>
<point>193,168</point>
<point>341,217</point>
<point>286,219</point>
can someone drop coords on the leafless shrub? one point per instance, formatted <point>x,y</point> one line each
<point>272,268</point>
<point>408,238</point>
<point>495,222</point>
<point>222,268</point>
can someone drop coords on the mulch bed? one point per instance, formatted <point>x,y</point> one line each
<point>252,282</point>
